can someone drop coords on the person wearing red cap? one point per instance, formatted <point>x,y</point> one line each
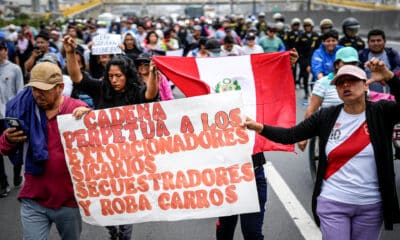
<point>355,189</point>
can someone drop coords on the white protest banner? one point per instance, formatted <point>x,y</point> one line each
<point>164,161</point>
<point>178,52</point>
<point>106,44</point>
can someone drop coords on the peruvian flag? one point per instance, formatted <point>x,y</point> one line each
<point>265,80</point>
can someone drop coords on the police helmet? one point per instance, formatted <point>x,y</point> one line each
<point>326,23</point>
<point>350,24</point>
<point>278,17</point>
<point>308,22</point>
<point>295,21</point>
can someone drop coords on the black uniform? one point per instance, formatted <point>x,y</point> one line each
<point>306,44</point>
<point>290,39</point>
<point>356,42</point>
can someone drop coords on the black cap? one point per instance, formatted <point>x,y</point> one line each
<point>143,57</point>
<point>213,45</point>
<point>3,44</point>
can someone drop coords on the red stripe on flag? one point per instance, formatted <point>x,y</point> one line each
<point>347,150</point>
<point>275,95</point>
<point>187,79</point>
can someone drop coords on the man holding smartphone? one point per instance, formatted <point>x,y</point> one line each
<point>47,195</point>
<point>11,81</point>
<point>42,46</point>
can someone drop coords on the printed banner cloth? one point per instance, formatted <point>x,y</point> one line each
<point>265,80</point>
<point>164,161</point>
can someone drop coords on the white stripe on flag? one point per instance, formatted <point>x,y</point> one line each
<point>215,70</point>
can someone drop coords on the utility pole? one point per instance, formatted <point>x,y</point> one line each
<point>36,5</point>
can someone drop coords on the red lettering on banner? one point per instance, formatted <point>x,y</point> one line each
<point>231,195</point>
<point>69,139</point>
<point>143,112</point>
<point>127,204</point>
<point>85,206</point>
<point>221,120</point>
<point>162,129</point>
<point>196,199</point>
<point>186,125</point>
<point>234,116</point>
<point>248,172</point>
<point>158,112</point>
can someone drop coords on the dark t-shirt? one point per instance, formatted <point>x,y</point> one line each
<point>95,89</point>
<point>133,53</point>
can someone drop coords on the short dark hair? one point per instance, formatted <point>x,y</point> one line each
<point>330,34</point>
<point>44,35</point>
<point>229,40</point>
<point>202,41</point>
<point>376,32</point>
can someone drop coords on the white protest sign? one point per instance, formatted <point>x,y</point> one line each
<point>178,52</point>
<point>106,44</point>
<point>164,161</point>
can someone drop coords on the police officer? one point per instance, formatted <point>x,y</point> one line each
<point>308,41</point>
<point>261,25</point>
<point>290,41</point>
<point>292,36</point>
<point>350,27</point>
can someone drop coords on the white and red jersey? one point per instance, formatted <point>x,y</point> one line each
<point>351,175</point>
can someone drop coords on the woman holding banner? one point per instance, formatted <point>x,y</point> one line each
<point>119,87</point>
<point>355,190</point>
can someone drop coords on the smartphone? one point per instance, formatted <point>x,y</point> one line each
<point>13,122</point>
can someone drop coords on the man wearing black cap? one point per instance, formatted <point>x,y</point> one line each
<point>11,81</point>
<point>213,46</point>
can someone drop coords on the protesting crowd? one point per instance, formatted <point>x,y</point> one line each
<point>350,88</point>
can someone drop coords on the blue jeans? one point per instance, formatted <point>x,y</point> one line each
<point>251,223</point>
<point>37,221</point>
